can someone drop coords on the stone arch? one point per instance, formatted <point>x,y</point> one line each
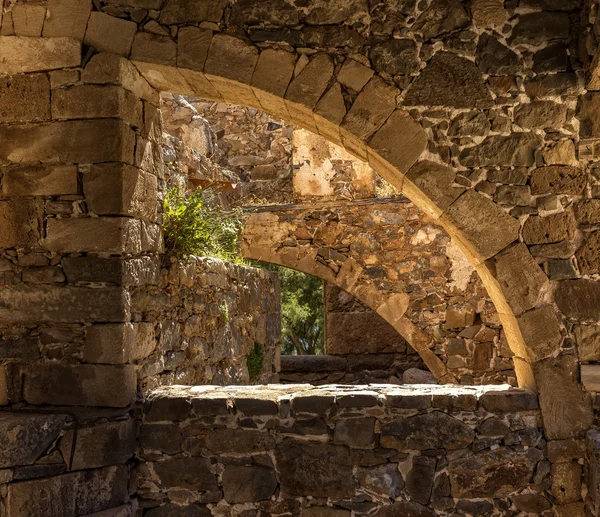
<point>306,91</point>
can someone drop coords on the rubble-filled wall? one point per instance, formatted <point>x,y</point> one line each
<point>332,451</point>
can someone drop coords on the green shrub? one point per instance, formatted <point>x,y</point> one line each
<point>194,223</point>
<point>255,361</point>
<point>224,311</point>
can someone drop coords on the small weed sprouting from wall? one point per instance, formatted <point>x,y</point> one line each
<point>194,223</point>
<point>255,361</point>
<point>224,311</point>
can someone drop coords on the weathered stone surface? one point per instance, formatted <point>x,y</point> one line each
<point>395,57</point>
<point>40,181</point>
<point>63,304</point>
<point>502,401</point>
<point>588,342</point>
<point>587,211</point>
<point>588,255</point>
<point>588,113</point>
<point>332,106</point>
<point>185,11</point>
<point>435,181</point>
<point>451,81</point>
<point>239,441</point>
<point>494,58</point>
<point>102,445</point>
<point>22,54</point>
<point>273,12</point>
<point>69,495</point>
<point>531,503</point>
<point>552,5</point>
<point>516,149</point>
<point>312,363</point>
<point>419,481</point>
<point>116,189</point>
<point>540,115</point>
<point>24,98</point>
<point>310,84</point>
<point>28,19</point>
<point>354,75</point>
<point>335,11</point>
<point>578,299</point>
<point>154,48</point>
<point>231,58</point>
<point>549,229</point>
<point>109,34</point>
<point>322,470</point>
<point>489,13</point>
<point>404,508</point>
<point>537,28</point>
<point>118,271</point>
<point>315,511</point>
<point>470,123</point>
<point>274,71</point>
<point>67,18</point>
<point>187,473</point>
<point>566,482</point>
<point>383,479</point>
<point>75,141</point>
<point>166,438</point>
<point>558,179</point>
<point>499,472</point>
<point>358,432</point>
<point>119,343</point>
<point>552,84</point>
<point>27,436</point>
<point>80,385</point>
<point>486,227</point>
<point>247,484</point>
<point>441,17</point>
<point>429,431</point>
<point>172,510</point>
<point>561,451</point>
<point>541,332</point>
<point>551,59</point>
<point>566,408</point>
<point>116,234</point>
<point>20,224</point>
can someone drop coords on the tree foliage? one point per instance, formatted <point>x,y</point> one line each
<point>302,312</point>
<point>194,223</point>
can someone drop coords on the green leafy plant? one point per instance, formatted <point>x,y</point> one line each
<point>255,361</point>
<point>194,223</point>
<point>224,310</point>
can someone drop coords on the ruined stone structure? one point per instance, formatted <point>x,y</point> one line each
<point>483,113</point>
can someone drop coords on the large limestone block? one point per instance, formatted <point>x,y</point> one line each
<point>154,48</point>
<point>106,33</point>
<point>69,495</point>
<point>119,343</point>
<point>73,141</point>
<point>60,180</point>
<point>588,342</point>
<point>91,101</point>
<point>106,68</point>
<point>117,271</point>
<point>517,149</point>
<point>190,11</point>
<point>67,18</point>
<point>371,109</point>
<point>310,84</point>
<point>108,443</point>
<point>579,299</point>
<point>20,223</point>
<point>80,385</point>
<point>557,179</point>
<point>27,436</point>
<point>231,58</point>
<point>22,54</point>
<point>63,304</point>
<point>24,98</point>
<point>187,473</point>
<point>274,71</point>
<point>566,408</point>
<point>192,47</point>
<point>549,229</point>
<point>113,235</point>
<point>248,484</point>
<point>541,332</point>
<point>117,189</point>
<point>480,224</point>
<point>28,19</point>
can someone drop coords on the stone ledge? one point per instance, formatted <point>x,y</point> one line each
<point>264,400</point>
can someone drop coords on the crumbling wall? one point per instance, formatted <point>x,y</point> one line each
<point>332,451</point>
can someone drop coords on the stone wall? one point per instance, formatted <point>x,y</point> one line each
<point>316,452</point>
<point>204,318</point>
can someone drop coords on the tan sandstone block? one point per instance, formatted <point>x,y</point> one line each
<point>431,183</point>
<point>274,71</point>
<point>566,482</point>
<point>488,14</point>
<point>541,332</point>
<point>310,84</point>
<point>332,106</point>
<point>371,109</point>
<point>28,20</point>
<point>3,387</point>
<point>154,48</point>
<point>73,141</point>
<point>67,18</point>
<point>399,142</point>
<point>588,342</point>
<point>80,385</point>
<point>22,54</point>
<point>20,223</point>
<point>24,98</point>
<point>111,235</point>
<point>231,58</point>
<point>480,225</point>
<point>354,75</point>
<point>192,47</point>
<point>109,34</point>
<point>59,180</point>
<point>570,510</point>
<point>119,343</point>
<point>549,229</point>
<point>164,78</point>
<point>200,85</point>
<point>108,68</point>
<point>92,101</point>
<point>590,377</point>
<point>117,189</point>
<point>566,408</point>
